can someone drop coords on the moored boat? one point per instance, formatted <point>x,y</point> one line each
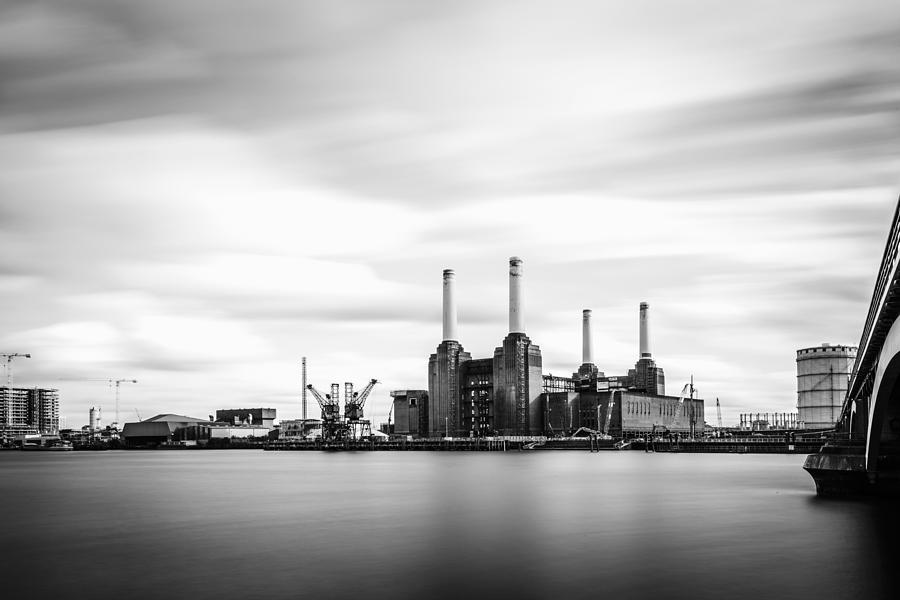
<point>46,444</point>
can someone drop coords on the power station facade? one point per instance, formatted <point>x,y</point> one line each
<point>507,394</point>
<point>823,375</point>
<point>487,396</point>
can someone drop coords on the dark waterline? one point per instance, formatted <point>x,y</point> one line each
<point>253,524</point>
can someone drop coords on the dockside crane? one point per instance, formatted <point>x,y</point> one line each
<point>353,409</point>
<point>350,425</point>
<point>331,413</point>
<point>9,358</point>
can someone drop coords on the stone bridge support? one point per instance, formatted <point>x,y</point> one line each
<point>883,435</point>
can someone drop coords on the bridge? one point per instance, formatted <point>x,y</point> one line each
<point>864,454</point>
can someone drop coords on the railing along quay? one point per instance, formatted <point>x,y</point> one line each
<point>452,445</point>
<point>758,445</point>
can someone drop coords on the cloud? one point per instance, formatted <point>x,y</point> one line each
<point>197,194</point>
<point>417,104</point>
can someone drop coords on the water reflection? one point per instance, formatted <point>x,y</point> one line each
<point>455,525</point>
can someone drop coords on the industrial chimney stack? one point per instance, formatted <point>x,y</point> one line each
<point>516,316</point>
<point>303,386</point>
<point>587,345</point>
<point>450,333</point>
<point>443,368</point>
<point>645,330</point>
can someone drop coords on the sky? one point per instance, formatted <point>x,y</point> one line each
<point>196,194</point>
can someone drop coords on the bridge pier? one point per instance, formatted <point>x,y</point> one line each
<point>841,472</point>
<point>839,475</point>
<point>863,456</point>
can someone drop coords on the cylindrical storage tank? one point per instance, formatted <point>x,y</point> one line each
<point>94,419</point>
<point>823,374</point>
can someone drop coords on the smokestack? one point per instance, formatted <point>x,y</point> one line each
<point>516,316</point>
<point>303,386</point>
<point>450,306</point>
<point>587,345</point>
<point>645,330</point>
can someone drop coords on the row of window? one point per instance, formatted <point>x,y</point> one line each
<point>644,408</point>
<point>828,349</point>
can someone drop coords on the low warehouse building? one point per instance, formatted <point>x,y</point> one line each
<point>260,417</point>
<point>170,429</point>
<point>216,431</point>
<point>162,429</point>
<point>410,408</point>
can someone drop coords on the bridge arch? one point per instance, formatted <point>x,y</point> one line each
<point>883,436</point>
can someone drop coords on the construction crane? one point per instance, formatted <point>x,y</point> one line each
<point>117,383</point>
<point>686,392</point>
<point>390,412</point>
<point>667,428</point>
<point>719,413</point>
<point>9,358</point>
<point>609,411</point>
<point>138,413</point>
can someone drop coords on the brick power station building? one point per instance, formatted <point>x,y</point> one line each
<point>508,394</point>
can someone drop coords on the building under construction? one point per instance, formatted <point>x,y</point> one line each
<point>28,411</point>
<point>508,395</point>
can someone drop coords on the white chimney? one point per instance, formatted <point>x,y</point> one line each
<point>587,345</point>
<point>450,306</point>
<point>516,299</point>
<point>645,330</point>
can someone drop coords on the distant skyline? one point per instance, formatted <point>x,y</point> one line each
<point>197,194</point>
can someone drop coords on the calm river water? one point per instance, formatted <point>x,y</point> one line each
<point>254,524</point>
